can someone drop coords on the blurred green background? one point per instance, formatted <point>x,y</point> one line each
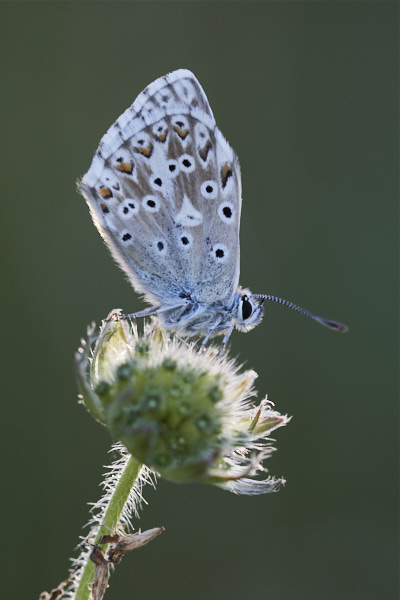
<point>307,95</point>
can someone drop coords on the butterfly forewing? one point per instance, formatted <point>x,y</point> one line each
<point>164,191</point>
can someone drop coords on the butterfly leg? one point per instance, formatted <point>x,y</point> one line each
<point>225,339</point>
<point>151,310</point>
<point>117,314</point>
<point>205,340</point>
<point>210,332</point>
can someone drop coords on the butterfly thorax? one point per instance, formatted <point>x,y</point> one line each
<point>198,318</point>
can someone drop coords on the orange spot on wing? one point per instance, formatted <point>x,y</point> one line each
<point>105,192</point>
<point>145,150</point>
<point>226,172</point>
<point>162,137</point>
<point>181,132</point>
<point>125,167</point>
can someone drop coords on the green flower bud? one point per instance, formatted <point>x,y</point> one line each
<point>185,413</point>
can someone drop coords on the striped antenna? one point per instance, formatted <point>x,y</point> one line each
<point>326,322</point>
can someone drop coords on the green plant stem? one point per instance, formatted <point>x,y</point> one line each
<point>111,518</point>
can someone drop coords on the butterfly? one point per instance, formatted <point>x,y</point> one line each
<point>164,191</point>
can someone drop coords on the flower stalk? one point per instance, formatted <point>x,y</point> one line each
<point>110,521</point>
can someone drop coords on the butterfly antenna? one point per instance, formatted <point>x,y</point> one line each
<point>327,322</point>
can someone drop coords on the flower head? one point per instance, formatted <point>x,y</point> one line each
<point>188,414</point>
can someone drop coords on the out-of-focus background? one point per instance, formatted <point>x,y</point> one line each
<point>307,95</point>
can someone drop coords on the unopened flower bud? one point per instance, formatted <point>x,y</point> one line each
<point>184,413</point>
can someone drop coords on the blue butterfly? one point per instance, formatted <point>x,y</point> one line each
<point>164,191</point>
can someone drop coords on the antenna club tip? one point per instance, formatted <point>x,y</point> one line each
<point>335,325</point>
<point>340,327</point>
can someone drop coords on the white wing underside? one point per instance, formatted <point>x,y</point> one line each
<point>164,190</point>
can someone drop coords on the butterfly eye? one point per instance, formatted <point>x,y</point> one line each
<point>249,313</point>
<point>247,308</point>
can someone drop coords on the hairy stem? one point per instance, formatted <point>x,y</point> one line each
<point>110,521</point>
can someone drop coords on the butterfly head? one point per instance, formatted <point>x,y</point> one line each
<point>249,311</point>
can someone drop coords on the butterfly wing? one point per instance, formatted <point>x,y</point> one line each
<point>164,191</point>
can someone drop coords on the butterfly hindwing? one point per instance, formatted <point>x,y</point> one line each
<point>164,191</point>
